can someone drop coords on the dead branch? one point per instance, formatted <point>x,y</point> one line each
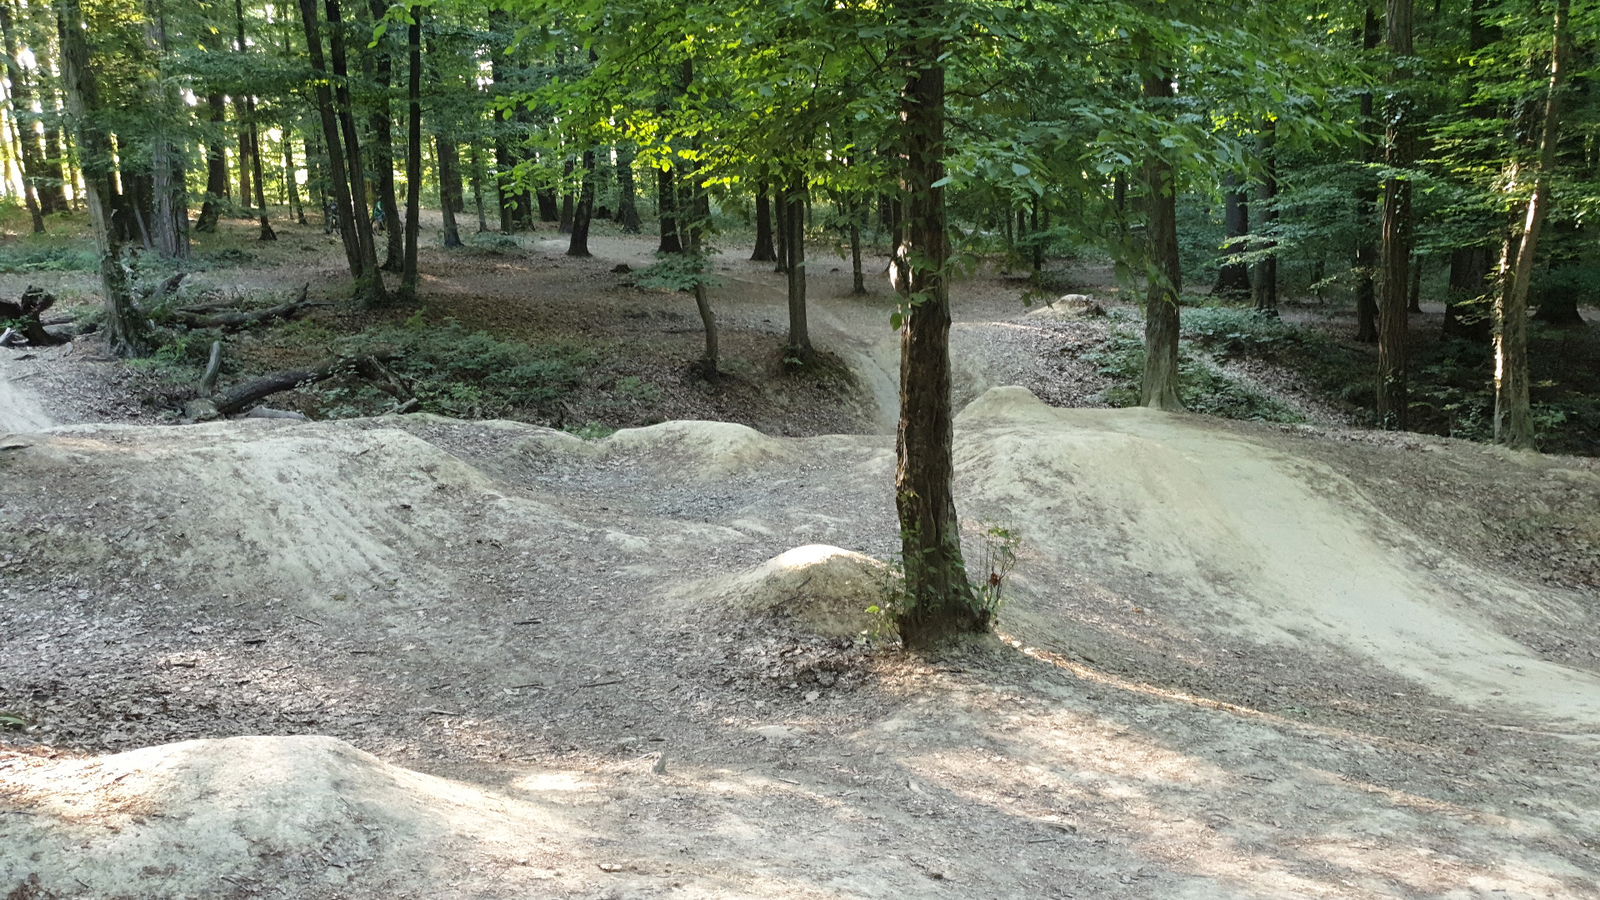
<point>240,397</point>
<point>232,321</point>
<point>23,317</point>
<point>208,381</point>
<point>167,288</point>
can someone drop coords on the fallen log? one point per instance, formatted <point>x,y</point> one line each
<point>240,397</point>
<point>23,319</point>
<point>232,321</point>
<point>166,288</point>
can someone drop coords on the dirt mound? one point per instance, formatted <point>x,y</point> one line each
<point>1232,535</point>
<point>326,513</point>
<point>1068,308</point>
<point>703,449</point>
<point>821,589</point>
<point>1228,669</point>
<point>234,817</point>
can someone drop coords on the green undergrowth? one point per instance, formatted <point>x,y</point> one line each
<point>457,372</point>
<point>1204,386</point>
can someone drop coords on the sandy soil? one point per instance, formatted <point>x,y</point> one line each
<point>1228,667</point>
<point>416,657</point>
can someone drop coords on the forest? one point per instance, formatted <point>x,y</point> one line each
<point>818,448</point>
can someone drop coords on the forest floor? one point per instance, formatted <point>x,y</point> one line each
<point>499,660</point>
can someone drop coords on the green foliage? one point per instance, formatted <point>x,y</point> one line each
<point>1232,331</point>
<point>675,272</point>
<point>1205,388</point>
<point>592,431</point>
<point>467,374</point>
<point>997,556</point>
<point>30,257</point>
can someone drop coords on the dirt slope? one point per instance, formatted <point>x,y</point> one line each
<point>1230,667</point>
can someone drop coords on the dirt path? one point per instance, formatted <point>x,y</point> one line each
<point>20,410</point>
<point>1211,683</point>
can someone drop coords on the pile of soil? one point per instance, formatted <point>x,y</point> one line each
<point>1230,663</point>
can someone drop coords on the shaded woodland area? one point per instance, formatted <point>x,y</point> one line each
<point>668,402</point>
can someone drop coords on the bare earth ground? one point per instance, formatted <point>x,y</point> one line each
<point>500,661</point>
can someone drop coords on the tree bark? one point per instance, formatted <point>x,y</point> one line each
<point>125,330</point>
<point>449,188</point>
<point>1513,411</point>
<point>569,203</point>
<point>408,267</point>
<point>1397,234</point>
<point>338,179</point>
<point>477,187</point>
<point>1465,317</point>
<point>1159,387</point>
<point>697,206</point>
<point>627,195</point>
<point>1367,256</point>
<point>794,199</point>
<point>1264,284</point>
<point>369,284</point>
<point>858,276</point>
<point>939,602</point>
<point>764,251</point>
<point>380,123</point>
<point>667,212</point>
<point>28,159</point>
<point>216,166</point>
<point>583,211</point>
<point>169,174</point>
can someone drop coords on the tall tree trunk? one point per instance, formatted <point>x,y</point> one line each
<point>794,199</point>
<point>858,276</point>
<point>370,283</point>
<point>250,141</point>
<point>170,212</point>
<point>244,113</point>
<point>764,251</point>
<point>381,161</point>
<point>568,201</point>
<point>291,178</point>
<point>1467,307</point>
<point>14,138</point>
<point>583,212</point>
<point>246,186</point>
<point>780,218</point>
<point>449,188</point>
<point>408,266</point>
<point>1367,256</point>
<point>125,330</point>
<point>1265,283</point>
<point>1513,411</point>
<point>1233,278</point>
<point>939,601</point>
<point>29,163</point>
<point>627,194</point>
<point>338,180</point>
<point>1464,315</point>
<point>667,212</point>
<point>266,233</point>
<point>477,187</point>
<point>1037,248</point>
<point>1397,235</point>
<point>1414,291</point>
<point>216,166</point>
<point>549,205</point>
<point>62,166</point>
<point>1159,386</point>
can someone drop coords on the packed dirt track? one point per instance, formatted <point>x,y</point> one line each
<point>420,657</point>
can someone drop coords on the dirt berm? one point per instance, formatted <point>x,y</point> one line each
<point>1234,661</point>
